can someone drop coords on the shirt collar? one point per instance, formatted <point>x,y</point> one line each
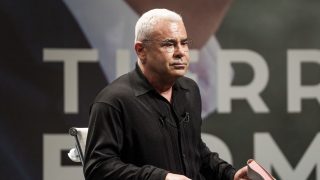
<point>141,85</point>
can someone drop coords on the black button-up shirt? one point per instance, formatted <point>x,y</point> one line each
<point>135,133</point>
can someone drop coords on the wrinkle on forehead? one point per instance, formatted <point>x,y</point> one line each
<point>170,29</point>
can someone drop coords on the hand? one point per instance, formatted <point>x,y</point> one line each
<point>242,174</point>
<point>171,176</point>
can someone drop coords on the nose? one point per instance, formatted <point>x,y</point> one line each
<point>180,49</point>
<point>178,53</point>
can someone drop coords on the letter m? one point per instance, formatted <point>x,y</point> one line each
<point>270,156</point>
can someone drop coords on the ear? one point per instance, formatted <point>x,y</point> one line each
<point>140,50</point>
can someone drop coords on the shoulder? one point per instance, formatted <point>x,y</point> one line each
<point>118,89</point>
<point>188,83</point>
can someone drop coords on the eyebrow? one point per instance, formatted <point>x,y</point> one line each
<point>174,40</point>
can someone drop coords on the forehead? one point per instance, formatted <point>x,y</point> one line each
<point>169,29</point>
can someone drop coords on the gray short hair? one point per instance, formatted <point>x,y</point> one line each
<point>145,24</point>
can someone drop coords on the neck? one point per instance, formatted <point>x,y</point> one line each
<point>167,94</point>
<point>162,84</point>
<point>164,88</point>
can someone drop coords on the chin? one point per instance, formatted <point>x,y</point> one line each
<point>179,73</point>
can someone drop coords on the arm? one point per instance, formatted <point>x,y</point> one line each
<point>213,167</point>
<point>104,147</point>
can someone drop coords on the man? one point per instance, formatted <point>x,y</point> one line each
<point>147,123</point>
<point>110,36</point>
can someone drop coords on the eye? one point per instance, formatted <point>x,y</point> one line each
<point>168,44</point>
<point>186,43</point>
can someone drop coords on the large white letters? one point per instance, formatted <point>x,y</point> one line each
<point>296,91</point>
<point>250,92</point>
<point>270,156</point>
<point>52,168</point>
<point>70,58</point>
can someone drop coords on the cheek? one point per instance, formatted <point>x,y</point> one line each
<point>164,59</point>
<point>158,62</point>
<point>187,56</point>
<point>188,61</point>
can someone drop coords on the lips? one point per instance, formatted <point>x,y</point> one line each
<point>178,65</point>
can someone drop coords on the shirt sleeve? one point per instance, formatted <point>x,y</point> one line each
<point>213,167</point>
<point>103,149</point>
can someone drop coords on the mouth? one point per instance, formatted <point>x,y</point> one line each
<point>178,65</point>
